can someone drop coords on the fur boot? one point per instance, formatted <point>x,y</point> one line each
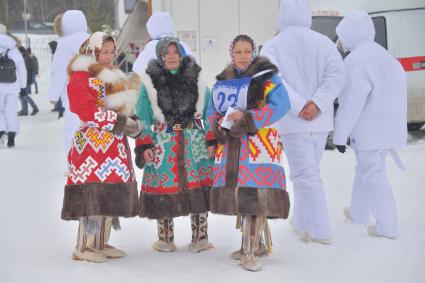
<point>165,241</point>
<point>86,241</point>
<point>251,241</point>
<point>102,241</point>
<point>199,223</point>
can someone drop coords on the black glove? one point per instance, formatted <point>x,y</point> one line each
<point>341,148</point>
<point>23,92</point>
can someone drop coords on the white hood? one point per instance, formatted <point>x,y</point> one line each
<point>159,25</point>
<point>355,29</point>
<point>6,42</point>
<point>294,13</point>
<point>73,21</point>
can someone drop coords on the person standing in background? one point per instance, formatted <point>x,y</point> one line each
<point>35,69</point>
<point>24,94</point>
<point>159,25</point>
<point>311,64</point>
<point>11,83</point>
<point>373,113</point>
<point>72,28</point>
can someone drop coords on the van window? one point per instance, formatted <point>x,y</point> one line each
<point>413,37</point>
<point>326,25</point>
<point>380,31</point>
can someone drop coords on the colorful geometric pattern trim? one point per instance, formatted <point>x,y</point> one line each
<point>85,169</point>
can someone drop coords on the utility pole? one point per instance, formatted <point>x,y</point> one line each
<point>26,17</point>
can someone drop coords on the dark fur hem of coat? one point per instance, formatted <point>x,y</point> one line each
<point>156,206</point>
<point>270,203</point>
<point>100,199</point>
<point>255,91</point>
<point>177,94</point>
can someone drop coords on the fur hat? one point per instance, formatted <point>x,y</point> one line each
<point>94,43</point>
<point>3,29</point>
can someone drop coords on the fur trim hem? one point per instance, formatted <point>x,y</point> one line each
<point>138,151</point>
<point>153,97</point>
<point>119,124</point>
<point>202,88</point>
<point>232,166</point>
<point>100,199</point>
<point>157,206</point>
<point>244,126</point>
<point>270,203</point>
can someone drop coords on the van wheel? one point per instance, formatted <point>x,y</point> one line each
<point>414,126</point>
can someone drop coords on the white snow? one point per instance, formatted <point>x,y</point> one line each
<point>36,245</point>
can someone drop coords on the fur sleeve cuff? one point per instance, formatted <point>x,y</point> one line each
<point>244,126</point>
<point>219,133</point>
<point>119,124</point>
<point>140,161</point>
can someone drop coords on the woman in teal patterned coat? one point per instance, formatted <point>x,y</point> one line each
<point>173,148</point>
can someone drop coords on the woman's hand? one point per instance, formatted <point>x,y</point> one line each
<point>235,116</point>
<point>148,155</point>
<point>211,151</point>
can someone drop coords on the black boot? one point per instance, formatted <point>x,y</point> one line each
<point>11,139</point>
<point>34,111</point>
<point>2,139</point>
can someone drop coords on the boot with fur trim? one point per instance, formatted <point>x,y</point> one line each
<point>165,242</point>
<point>199,224</point>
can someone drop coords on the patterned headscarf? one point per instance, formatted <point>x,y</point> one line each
<point>94,43</point>
<point>242,37</point>
<point>162,48</point>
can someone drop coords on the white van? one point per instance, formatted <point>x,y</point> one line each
<point>402,33</point>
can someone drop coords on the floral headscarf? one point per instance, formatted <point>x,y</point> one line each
<point>162,48</point>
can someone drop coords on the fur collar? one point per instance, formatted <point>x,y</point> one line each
<point>188,72</point>
<point>121,93</point>
<point>87,63</point>
<point>255,96</point>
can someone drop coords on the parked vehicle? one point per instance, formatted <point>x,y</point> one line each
<point>401,33</point>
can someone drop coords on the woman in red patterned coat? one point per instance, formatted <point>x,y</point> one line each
<point>101,183</point>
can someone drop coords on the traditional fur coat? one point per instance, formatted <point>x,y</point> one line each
<point>171,108</point>
<point>248,175</point>
<point>100,180</point>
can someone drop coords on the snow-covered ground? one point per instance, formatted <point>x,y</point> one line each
<point>36,245</point>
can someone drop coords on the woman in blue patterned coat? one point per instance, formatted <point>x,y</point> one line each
<point>249,179</point>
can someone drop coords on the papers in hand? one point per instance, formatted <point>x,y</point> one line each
<point>227,123</point>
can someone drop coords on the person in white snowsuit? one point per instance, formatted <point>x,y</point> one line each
<point>311,64</point>
<point>72,29</point>
<point>373,113</point>
<point>9,92</point>
<point>159,25</point>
